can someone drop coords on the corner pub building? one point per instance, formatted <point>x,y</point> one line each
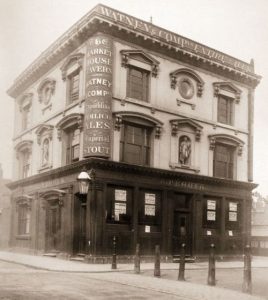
<point>162,124</point>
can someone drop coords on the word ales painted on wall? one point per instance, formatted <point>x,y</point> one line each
<point>98,103</point>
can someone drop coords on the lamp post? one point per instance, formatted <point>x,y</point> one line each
<point>84,180</point>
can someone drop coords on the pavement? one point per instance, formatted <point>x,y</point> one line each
<point>125,275</point>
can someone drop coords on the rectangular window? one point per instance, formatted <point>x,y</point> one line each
<point>225,110</point>
<point>25,114</point>
<point>138,83</point>
<point>211,213</point>
<point>73,145</point>
<point>73,87</point>
<point>25,163</point>
<point>119,205</point>
<point>232,214</point>
<point>23,220</point>
<point>223,161</point>
<point>150,208</point>
<point>135,144</point>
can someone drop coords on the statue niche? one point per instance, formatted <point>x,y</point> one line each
<point>185,150</point>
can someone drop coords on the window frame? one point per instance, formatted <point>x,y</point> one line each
<point>145,147</point>
<point>71,96</point>
<point>145,83</point>
<point>24,219</point>
<point>229,170</point>
<point>228,117</point>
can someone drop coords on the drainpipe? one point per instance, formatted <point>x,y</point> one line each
<point>250,128</point>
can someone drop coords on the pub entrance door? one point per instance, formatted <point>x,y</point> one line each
<point>82,229</point>
<point>53,226</point>
<point>182,232</point>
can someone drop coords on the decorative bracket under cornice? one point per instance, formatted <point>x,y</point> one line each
<point>142,56</point>
<point>226,139</point>
<point>177,123</point>
<point>219,87</point>
<point>187,72</point>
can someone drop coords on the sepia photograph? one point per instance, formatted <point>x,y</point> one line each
<point>133,152</point>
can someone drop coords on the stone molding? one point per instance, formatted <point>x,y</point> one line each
<point>177,123</point>
<point>229,87</point>
<point>226,139</point>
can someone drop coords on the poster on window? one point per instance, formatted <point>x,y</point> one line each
<point>211,216</point>
<point>211,204</point>
<point>150,199</point>
<point>232,206</point>
<point>149,210</point>
<point>120,195</point>
<point>232,216</point>
<point>120,208</point>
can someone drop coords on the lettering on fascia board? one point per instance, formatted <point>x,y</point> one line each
<point>172,38</point>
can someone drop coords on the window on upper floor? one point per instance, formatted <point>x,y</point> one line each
<point>140,68</point>
<point>223,161</point>
<point>71,73</point>
<point>25,110</point>
<point>227,95</point>
<point>138,83</point>
<point>225,110</point>
<point>69,133</point>
<point>73,87</point>
<point>24,157</point>
<point>72,144</point>
<point>226,150</point>
<point>135,144</point>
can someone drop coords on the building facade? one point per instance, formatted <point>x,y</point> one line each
<point>164,126</point>
<point>4,211</point>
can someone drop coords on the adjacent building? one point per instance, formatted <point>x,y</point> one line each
<point>162,124</point>
<point>4,211</point>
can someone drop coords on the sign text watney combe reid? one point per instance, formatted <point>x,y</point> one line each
<point>98,97</point>
<point>170,37</point>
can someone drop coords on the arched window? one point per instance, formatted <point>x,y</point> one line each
<point>71,70</point>
<point>225,151</point>
<point>69,132</point>
<point>24,157</point>
<point>136,136</point>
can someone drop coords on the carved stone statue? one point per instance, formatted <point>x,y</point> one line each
<point>185,150</point>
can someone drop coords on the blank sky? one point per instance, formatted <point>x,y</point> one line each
<point>236,27</point>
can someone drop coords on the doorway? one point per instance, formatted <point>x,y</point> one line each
<point>182,232</point>
<point>53,226</point>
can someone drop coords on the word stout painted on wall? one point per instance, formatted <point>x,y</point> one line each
<point>98,113</point>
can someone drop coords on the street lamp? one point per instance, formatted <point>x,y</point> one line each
<point>83,182</point>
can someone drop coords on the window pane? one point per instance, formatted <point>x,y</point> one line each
<point>224,110</point>
<point>223,161</point>
<point>138,84</point>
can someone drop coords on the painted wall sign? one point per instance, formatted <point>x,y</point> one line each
<point>171,38</point>
<point>98,103</point>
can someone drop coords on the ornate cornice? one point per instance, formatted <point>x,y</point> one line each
<point>177,123</point>
<point>227,139</point>
<point>100,16</point>
<point>69,121</point>
<point>121,116</point>
<point>145,57</point>
<point>229,87</point>
<point>129,169</point>
<point>44,128</point>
